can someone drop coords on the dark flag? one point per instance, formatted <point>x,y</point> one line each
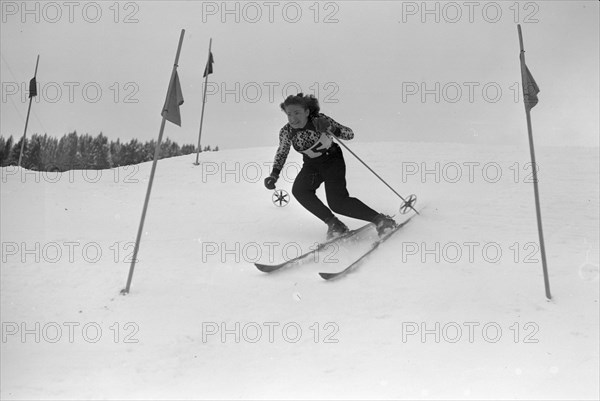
<point>174,100</point>
<point>32,88</point>
<point>530,87</point>
<point>209,68</point>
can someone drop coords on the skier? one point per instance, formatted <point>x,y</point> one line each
<point>310,132</point>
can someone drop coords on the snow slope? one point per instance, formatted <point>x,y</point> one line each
<point>452,307</point>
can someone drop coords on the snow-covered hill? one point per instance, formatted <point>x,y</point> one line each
<point>452,307</point>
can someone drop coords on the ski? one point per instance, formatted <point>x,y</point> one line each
<point>268,268</point>
<point>374,246</point>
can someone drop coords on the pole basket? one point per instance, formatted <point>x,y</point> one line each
<point>408,204</point>
<point>280,198</point>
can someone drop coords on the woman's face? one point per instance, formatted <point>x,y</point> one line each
<point>297,115</point>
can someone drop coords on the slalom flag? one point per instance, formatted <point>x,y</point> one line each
<point>530,87</point>
<point>173,101</point>
<point>530,91</point>
<point>32,94</point>
<point>209,68</point>
<point>171,113</point>
<point>32,88</point>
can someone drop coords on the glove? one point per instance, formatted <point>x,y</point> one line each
<point>321,124</point>
<point>270,182</point>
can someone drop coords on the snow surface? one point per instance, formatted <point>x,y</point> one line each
<point>452,307</point>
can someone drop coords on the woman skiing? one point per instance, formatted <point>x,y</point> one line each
<point>310,132</point>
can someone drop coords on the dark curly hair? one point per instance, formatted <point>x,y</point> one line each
<point>309,102</point>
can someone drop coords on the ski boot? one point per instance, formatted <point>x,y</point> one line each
<point>384,224</point>
<point>336,228</point>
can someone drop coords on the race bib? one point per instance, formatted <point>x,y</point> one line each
<point>320,147</point>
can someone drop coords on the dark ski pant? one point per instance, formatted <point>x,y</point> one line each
<point>330,169</point>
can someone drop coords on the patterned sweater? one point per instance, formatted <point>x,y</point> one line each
<point>307,140</point>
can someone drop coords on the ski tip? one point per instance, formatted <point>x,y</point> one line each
<point>327,276</point>
<point>265,268</point>
<point>260,267</point>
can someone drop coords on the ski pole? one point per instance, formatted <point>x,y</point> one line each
<point>377,175</point>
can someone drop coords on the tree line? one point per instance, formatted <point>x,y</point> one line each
<point>84,152</point>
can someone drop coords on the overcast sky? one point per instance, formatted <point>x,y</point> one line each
<point>391,70</point>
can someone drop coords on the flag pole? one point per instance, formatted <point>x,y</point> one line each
<point>125,291</point>
<point>203,100</point>
<point>28,111</point>
<point>534,168</point>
